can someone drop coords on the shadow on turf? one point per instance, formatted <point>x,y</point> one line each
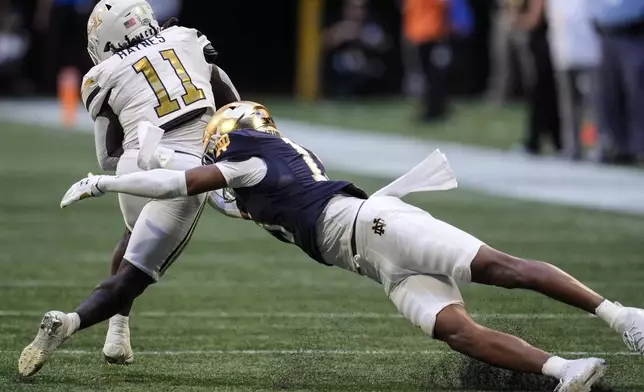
<point>475,375</point>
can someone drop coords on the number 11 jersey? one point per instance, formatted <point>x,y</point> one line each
<point>163,79</point>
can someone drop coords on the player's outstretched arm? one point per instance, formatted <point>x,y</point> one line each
<point>154,184</point>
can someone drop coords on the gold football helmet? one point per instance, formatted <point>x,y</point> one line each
<point>232,117</point>
<point>239,115</point>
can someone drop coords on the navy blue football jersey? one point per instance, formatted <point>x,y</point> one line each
<point>294,192</point>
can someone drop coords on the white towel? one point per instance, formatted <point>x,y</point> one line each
<point>151,155</point>
<point>432,174</point>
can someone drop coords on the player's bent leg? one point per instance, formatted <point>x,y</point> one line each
<point>493,267</point>
<point>455,327</point>
<point>107,299</point>
<point>113,294</point>
<point>117,348</point>
<point>434,304</point>
<point>161,233</point>
<point>160,230</point>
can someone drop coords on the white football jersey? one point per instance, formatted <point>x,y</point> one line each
<point>158,80</point>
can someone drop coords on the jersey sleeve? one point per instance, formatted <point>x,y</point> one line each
<point>243,174</point>
<point>94,92</point>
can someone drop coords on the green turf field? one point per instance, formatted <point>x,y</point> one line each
<point>243,312</point>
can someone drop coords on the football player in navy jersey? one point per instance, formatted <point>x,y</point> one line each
<point>284,188</point>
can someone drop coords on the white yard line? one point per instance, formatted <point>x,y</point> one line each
<point>321,315</point>
<point>314,352</point>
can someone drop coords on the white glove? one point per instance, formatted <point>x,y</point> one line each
<point>83,189</point>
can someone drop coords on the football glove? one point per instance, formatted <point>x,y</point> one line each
<point>83,189</point>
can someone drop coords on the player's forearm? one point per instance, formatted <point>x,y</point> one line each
<point>154,184</point>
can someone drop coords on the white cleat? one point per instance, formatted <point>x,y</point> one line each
<point>581,374</point>
<point>630,323</point>
<point>118,353</point>
<point>52,333</point>
<point>117,349</point>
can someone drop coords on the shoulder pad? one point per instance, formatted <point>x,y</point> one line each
<point>210,53</point>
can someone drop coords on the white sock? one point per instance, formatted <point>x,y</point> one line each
<point>119,323</point>
<point>74,325</point>
<point>554,367</point>
<point>607,311</point>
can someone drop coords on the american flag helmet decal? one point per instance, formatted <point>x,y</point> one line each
<point>130,23</point>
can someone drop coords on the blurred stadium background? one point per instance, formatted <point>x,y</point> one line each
<point>531,101</point>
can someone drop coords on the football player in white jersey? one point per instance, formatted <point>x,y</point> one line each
<point>166,78</point>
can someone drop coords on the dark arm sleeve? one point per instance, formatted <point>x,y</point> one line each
<point>108,137</point>
<point>223,88</point>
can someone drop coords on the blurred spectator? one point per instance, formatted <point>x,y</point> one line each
<point>575,55</point>
<point>14,43</point>
<point>165,9</point>
<point>461,20</point>
<point>621,78</point>
<point>64,23</point>
<point>460,27</point>
<point>426,25</point>
<point>510,73</point>
<point>413,77</point>
<point>543,117</point>
<point>354,45</point>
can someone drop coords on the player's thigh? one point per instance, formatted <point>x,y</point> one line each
<point>400,239</point>
<point>131,206</point>
<point>162,232</point>
<point>420,298</point>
